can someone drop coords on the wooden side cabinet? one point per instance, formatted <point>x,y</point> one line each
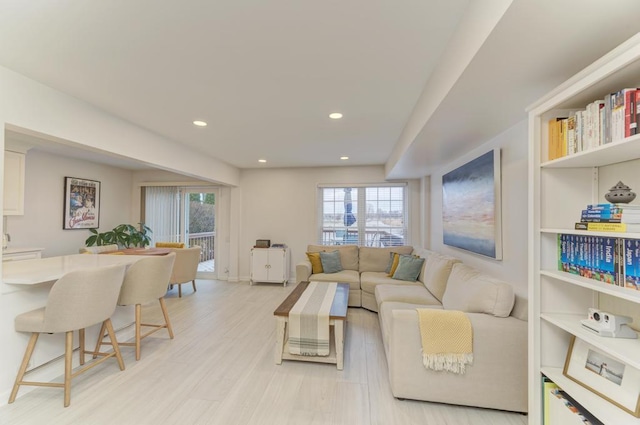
<point>270,265</point>
<point>14,163</point>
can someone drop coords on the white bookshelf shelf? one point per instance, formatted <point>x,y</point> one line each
<point>599,407</point>
<point>622,348</point>
<point>604,288</point>
<point>611,153</point>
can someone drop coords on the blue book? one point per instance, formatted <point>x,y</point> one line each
<point>607,263</point>
<point>601,214</point>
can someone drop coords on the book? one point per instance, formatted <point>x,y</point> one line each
<point>607,227</point>
<point>630,124</point>
<point>547,386</point>
<point>610,206</point>
<point>632,264</point>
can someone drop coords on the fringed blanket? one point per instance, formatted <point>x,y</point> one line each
<point>447,339</point>
<point>309,320</point>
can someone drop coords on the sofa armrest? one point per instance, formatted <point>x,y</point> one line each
<point>303,271</point>
<point>497,378</point>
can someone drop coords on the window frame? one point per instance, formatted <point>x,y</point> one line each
<point>364,239</point>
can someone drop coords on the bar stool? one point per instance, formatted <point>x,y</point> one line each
<point>77,300</point>
<point>145,281</point>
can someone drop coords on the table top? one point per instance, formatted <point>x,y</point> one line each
<point>41,270</point>
<point>338,307</point>
<point>140,251</point>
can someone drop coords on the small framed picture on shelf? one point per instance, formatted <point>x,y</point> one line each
<point>600,373</point>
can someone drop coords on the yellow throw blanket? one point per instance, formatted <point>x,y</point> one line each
<point>447,339</point>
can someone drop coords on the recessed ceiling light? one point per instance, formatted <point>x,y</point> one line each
<point>262,160</point>
<point>200,123</point>
<point>335,115</point>
<point>344,158</point>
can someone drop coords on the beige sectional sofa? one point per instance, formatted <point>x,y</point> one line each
<point>497,378</point>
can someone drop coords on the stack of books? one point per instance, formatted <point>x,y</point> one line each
<point>610,218</point>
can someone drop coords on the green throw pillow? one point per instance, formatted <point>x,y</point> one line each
<point>331,261</point>
<point>409,268</point>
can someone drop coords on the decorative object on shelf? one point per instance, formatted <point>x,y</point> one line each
<point>262,243</point>
<point>607,324</point>
<point>125,235</point>
<point>279,245</point>
<point>471,209</point>
<point>620,194</point>
<point>611,379</point>
<point>81,204</point>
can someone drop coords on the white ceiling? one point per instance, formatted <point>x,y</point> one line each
<point>265,74</point>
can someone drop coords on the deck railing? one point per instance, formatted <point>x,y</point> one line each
<point>205,242</point>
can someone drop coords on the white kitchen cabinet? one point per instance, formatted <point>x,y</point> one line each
<point>18,254</point>
<point>14,166</point>
<point>270,265</point>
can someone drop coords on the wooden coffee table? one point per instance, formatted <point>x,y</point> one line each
<point>337,320</point>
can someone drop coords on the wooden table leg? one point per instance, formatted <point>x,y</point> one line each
<point>339,335</point>
<point>281,324</point>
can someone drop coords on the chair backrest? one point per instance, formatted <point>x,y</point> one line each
<point>186,265</point>
<point>147,279</point>
<point>98,249</point>
<point>83,298</point>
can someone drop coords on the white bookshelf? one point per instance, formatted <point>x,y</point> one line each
<point>558,191</point>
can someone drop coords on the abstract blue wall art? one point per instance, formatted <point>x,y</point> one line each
<point>471,206</point>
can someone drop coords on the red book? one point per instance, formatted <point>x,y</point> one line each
<point>630,123</point>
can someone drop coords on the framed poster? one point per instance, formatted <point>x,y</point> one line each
<point>471,209</point>
<point>604,375</point>
<point>81,203</point>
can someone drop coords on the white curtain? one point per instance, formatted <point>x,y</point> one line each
<point>162,213</point>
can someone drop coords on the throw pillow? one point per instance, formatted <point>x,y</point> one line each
<point>390,264</point>
<point>316,264</point>
<point>331,261</point>
<point>409,268</point>
<point>394,263</point>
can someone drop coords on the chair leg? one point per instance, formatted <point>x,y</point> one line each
<point>179,290</point>
<point>193,282</point>
<point>114,342</point>
<point>68,353</point>
<point>81,344</point>
<point>23,366</point>
<point>138,321</point>
<point>99,341</point>
<point>165,313</point>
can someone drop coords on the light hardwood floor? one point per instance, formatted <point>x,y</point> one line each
<point>220,369</point>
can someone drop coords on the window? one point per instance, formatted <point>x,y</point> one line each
<point>363,215</point>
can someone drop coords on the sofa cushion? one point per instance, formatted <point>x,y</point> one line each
<point>351,277</point>
<point>377,259</point>
<point>385,316</point>
<point>435,271</point>
<point>369,281</point>
<point>316,264</point>
<point>409,268</point>
<point>348,254</point>
<point>415,294</point>
<point>331,262</point>
<point>469,290</point>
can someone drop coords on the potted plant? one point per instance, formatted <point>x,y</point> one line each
<point>124,235</point>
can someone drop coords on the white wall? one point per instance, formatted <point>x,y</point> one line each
<point>280,205</point>
<point>513,267</point>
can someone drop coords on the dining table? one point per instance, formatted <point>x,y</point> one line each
<point>139,251</point>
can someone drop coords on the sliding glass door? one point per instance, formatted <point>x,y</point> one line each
<point>184,214</point>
